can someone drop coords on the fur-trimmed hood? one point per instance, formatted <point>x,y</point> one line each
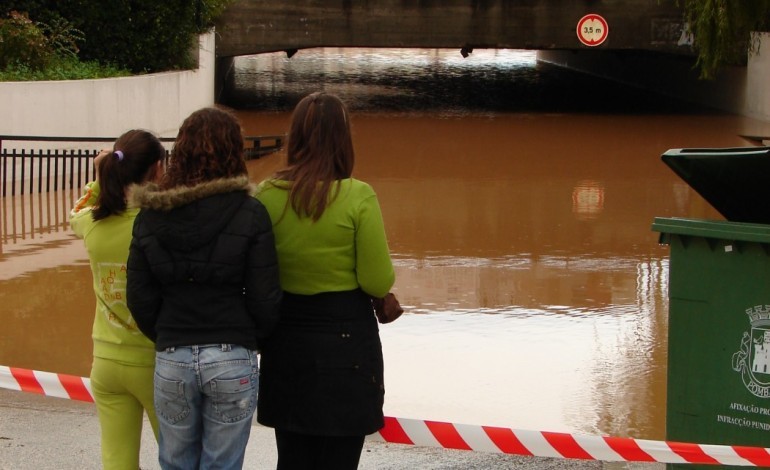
<point>150,196</point>
<point>189,217</point>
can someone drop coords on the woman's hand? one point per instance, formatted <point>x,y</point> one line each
<point>99,158</point>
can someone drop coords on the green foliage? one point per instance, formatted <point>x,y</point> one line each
<point>722,31</point>
<point>38,51</point>
<point>22,41</point>
<point>140,35</point>
<point>137,34</point>
<point>62,37</point>
<point>62,68</point>
<point>208,11</point>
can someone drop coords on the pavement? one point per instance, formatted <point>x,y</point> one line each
<point>45,433</point>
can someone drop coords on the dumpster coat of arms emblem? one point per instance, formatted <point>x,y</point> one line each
<point>752,360</point>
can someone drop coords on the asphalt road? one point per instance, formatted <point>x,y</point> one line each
<point>44,433</point>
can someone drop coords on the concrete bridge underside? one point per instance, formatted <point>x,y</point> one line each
<point>645,44</point>
<point>257,26</point>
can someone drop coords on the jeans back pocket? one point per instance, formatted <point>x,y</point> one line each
<point>170,400</point>
<point>234,399</point>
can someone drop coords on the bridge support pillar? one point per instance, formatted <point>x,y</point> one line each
<point>223,71</point>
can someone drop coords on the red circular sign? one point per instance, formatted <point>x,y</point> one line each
<point>592,29</point>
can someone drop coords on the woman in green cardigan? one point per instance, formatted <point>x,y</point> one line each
<point>321,377</point>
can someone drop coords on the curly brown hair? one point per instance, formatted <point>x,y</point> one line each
<point>209,146</point>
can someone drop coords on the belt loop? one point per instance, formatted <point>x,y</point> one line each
<point>226,347</point>
<point>171,349</point>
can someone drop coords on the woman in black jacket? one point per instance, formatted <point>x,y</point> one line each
<point>203,285</point>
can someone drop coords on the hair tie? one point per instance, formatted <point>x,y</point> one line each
<point>119,154</point>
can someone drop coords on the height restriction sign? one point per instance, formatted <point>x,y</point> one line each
<point>592,29</point>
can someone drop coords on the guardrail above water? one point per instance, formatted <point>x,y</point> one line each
<point>32,168</point>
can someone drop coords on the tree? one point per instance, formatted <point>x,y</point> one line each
<point>35,45</point>
<point>722,31</point>
<point>141,35</point>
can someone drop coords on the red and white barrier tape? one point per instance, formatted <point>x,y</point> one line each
<point>46,383</point>
<point>468,437</point>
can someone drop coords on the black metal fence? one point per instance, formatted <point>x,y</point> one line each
<point>40,219</point>
<point>30,171</point>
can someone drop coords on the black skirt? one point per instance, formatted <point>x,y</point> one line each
<point>321,372</point>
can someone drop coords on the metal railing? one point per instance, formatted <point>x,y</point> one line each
<point>28,171</point>
<point>35,218</point>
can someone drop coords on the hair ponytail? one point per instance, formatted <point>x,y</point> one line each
<point>133,155</point>
<point>111,199</point>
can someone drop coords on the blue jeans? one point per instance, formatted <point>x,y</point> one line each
<point>205,398</point>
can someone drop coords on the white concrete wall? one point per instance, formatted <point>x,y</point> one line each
<point>157,102</point>
<point>739,90</point>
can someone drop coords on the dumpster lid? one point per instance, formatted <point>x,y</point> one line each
<point>716,229</point>
<point>736,181</point>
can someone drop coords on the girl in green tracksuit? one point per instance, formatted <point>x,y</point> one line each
<point>123,358</point>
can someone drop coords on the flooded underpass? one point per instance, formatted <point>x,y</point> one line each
<point>518,200</point>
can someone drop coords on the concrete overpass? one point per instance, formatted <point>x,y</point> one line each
<point>257,26</point>
<point>643,41</point>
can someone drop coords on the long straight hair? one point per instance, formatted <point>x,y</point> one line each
<point>319,152</point>
<point>130,162</point>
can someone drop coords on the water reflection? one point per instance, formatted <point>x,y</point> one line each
<point>29,219</point>
<point>45,286</point>
<point>587,199</point>
<point>536,292</point>
<point>47,315</point>
<point>488,80</point>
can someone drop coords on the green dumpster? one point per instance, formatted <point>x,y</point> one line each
<point>718,389</point>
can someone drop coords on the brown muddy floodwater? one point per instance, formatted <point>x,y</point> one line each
<point>535,290</point>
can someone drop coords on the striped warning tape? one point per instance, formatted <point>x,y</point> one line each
<point>46,383</point>
<point>468,437</point>
<point>569,446</point>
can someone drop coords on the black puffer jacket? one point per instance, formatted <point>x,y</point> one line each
<point>202,267</point>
